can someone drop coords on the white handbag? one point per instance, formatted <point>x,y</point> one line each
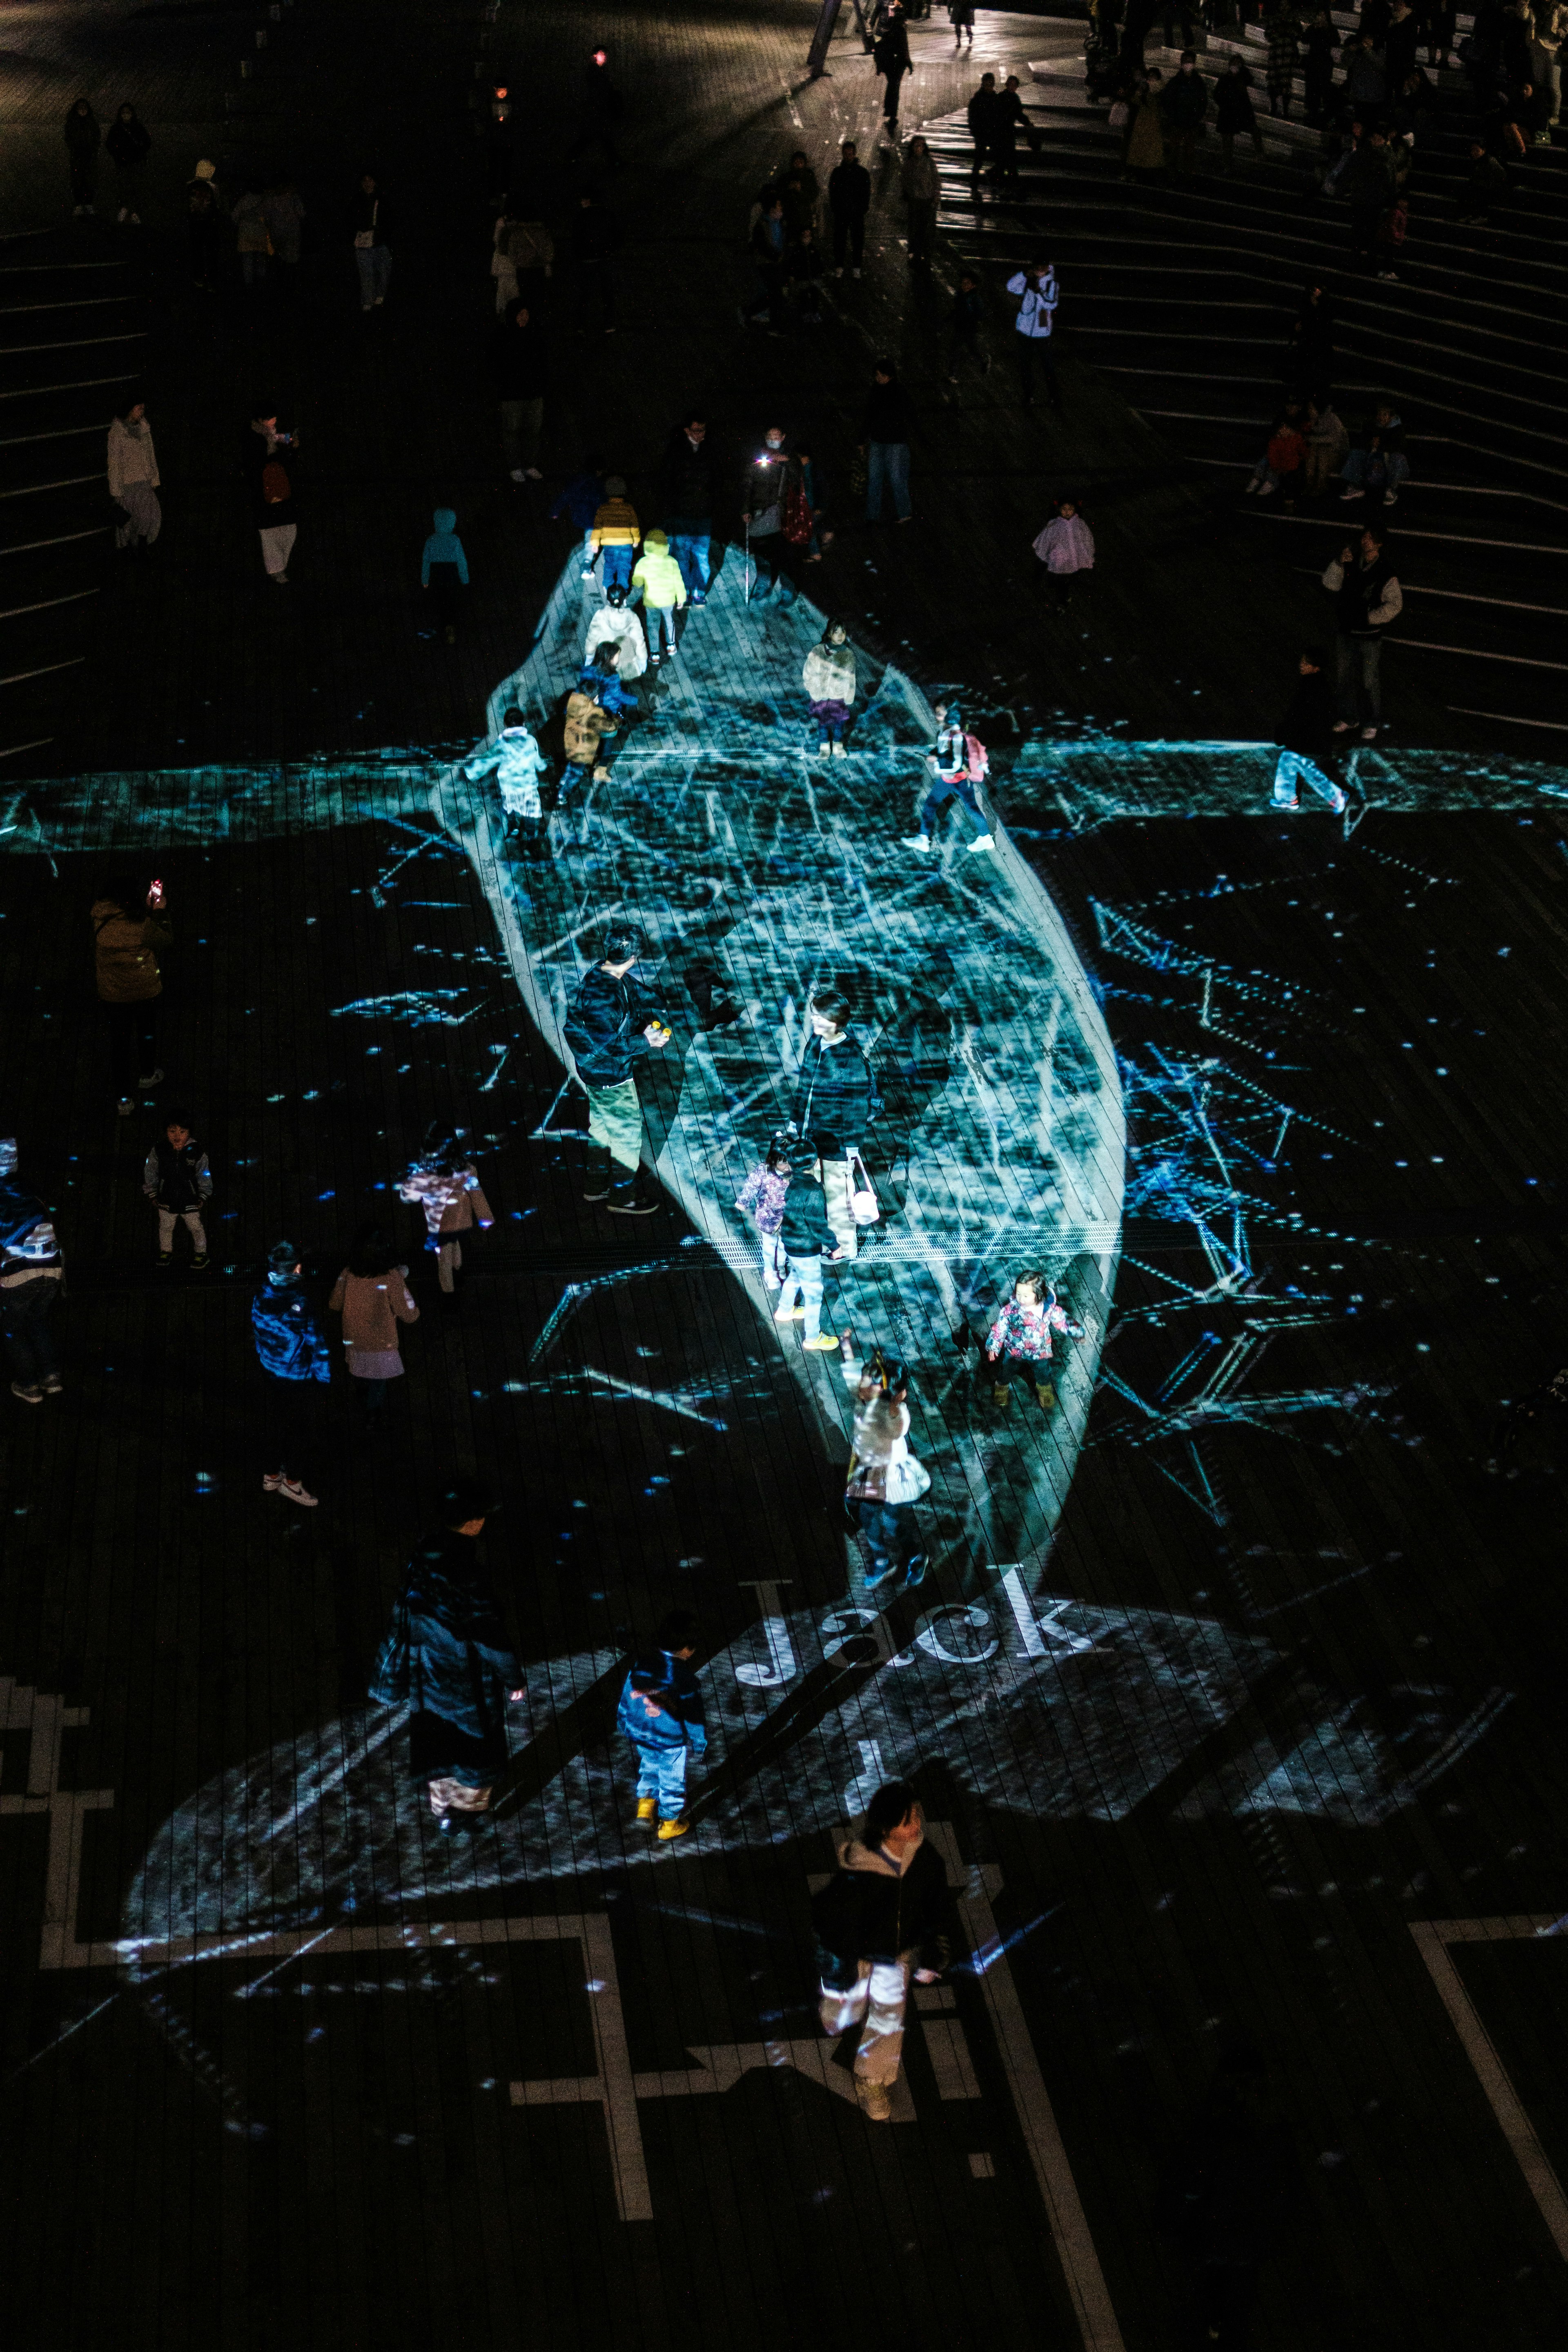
<point>864,1205</point>
<point>907,1479</point>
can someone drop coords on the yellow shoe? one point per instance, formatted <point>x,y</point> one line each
<point>647,1808</point>
<point>1002,1397</point>
<point>790,1314</point>
<point>824,1344</point>
<point>1045,1391</point>
<point>875,2104</point>
<point>677,1828</point>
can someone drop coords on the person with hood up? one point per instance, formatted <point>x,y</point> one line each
<point>921,187</point>
<point>521,369</point>
<point>886,1913</point>
<point>1183,107</point>
<point>614,624</point>
<point>294,1353</point>
<point>828,677</point>
<point>444,570</point>
<point>658,581</point>
<point>958,763</point>
<point>1367,600</point>
<point>204,227</point>
<point>612,1023</point>
<point>129,143</point>
<point>1307,739</point>
<point>133,476</point>
<point>615,534</point>
<point>129,928</point>
<point>662,1713</point>
<point>83,138</point>
<point>32,1281</point>
<point>1066,548</point>
<point>690,499</point>
<point>372,1297</point>
<point>447,1658</point>
<point>444,1182</point>
<point>515,761</point>
<point>1233,114</point>
<point>1036,293</point>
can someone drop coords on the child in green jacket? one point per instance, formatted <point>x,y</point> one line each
<point>658,583</point>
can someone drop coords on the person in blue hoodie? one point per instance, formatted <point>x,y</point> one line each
<point>661,1715</point>
<point>32,1272</point>
<point>294,1350</point>
<point>443,572</point>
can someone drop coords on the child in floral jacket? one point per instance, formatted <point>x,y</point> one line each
<point>1020,1340</point>
<point>761,1198</point>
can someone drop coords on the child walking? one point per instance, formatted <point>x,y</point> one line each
<point>1066,548</point>
<point>661,1715</point>
<point>806,1236</point>
<point>517,763</point>
<point>761,1198</point>
<point>446,1184</point>
<point>1020,1341</point>
<point>658,582</point>
<point>444,570</point>
<point>615,534</point>
<point>178,1180</point>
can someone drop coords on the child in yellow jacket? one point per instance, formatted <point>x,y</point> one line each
<point>615,534</point>
<point>663,591</point>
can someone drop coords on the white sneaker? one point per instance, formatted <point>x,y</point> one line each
<point>982,841</point>
<point>917,841</point>
<point>270,1482</point>
<point>1346,496</point>
<point>119,215</point>
<point>1391,497</point>
<point>1266,490</point>
<point>840,752</point>
<point>1369,734</point>
<point>534,474</point>
<point>297,1492</point>
<point>155,1079</point>
<point>854,273</point>
<point>519,475</point>
<point>1252,489</point>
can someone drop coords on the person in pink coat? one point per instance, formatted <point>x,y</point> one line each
<point>1065,548</point>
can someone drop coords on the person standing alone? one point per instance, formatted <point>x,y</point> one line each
<point>372,255</point>
<point>848,201</point>
<point>129,928</point>
<point>611,1023</point>
<point>1038,294</point>
<point>133,476</point>
<point>886,1913</point>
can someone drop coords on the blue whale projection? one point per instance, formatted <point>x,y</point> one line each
<point>758,873</point>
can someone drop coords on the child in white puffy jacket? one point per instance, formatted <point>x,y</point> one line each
<point>1066,548</point>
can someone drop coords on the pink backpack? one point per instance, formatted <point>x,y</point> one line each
<point>978,760</point>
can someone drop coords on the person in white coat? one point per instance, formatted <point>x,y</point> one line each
<point>517,763</point>
<point>828,678</point>
<point>1066,548</point>
<point>1038,294</point>
<point>615,623</point>
<point>133,476</point>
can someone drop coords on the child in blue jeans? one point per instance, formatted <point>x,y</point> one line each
<point>761,1198</point>
<point>661,1715</point>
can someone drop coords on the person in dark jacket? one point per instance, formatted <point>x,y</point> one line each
<point>129,143</point>
<point>295,1353</point>
<point>1183,105</point>
<point>372,255</point>
<point>1486,185</point>
<point>206,227</point>
<point>593,242</point>
<point>446,1657</point>
<point>1368,187</point>
<point>83,139</point>
<point>131,930</point>
<point>848,201</point>
<point>519,366</point>
<point>1307,739</point>
<point>1310,360</point>
<point>1008,124</point>
<point>1368,600</point>
<point>1232,112</point>
<point>612,1023</point>
<point>893,61</point>
<point>579,500</point>
<point>769,247</point>
<point>888,1911</point>
<point>836,1099</point>
<point>661,1714</point>
<point>601,107</point>
<point>805,1237</point>
<point>967,327</point>
<point>691,490</point>
<point>1318,45</point>
<point>32,1278</point>
<point>981,114</point>
<point>178,1181</point>
<point>885,437</point>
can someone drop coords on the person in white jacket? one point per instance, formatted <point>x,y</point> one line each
<point>1038,293</point>
<point>615,623</point>
<point>1066,548</point>
<point>517,763</point>
<point>828,678</point>
<point>133,476</point>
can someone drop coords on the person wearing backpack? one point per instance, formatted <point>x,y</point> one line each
<point>886,1913</point>
<point>611,1023</point>
<point>958,763</point>
<point>1038,294</point>
<point>835,1100</point>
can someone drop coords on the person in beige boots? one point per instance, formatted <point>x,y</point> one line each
<point>133,476</point>
<point>886,1912</point>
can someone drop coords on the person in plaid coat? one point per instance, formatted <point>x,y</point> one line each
<point>1281,28</point>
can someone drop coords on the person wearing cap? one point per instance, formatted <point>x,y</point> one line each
<point>517,763</point>
<point>294,1353</point>
<point>658,581</point>
<point>661,1714</point>
<point>134,475</point>
<point>32,1278</point>
<point>616,535</point>
<point>447,1659</point>
<point>611,1023</point>
<point>204,226</point>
